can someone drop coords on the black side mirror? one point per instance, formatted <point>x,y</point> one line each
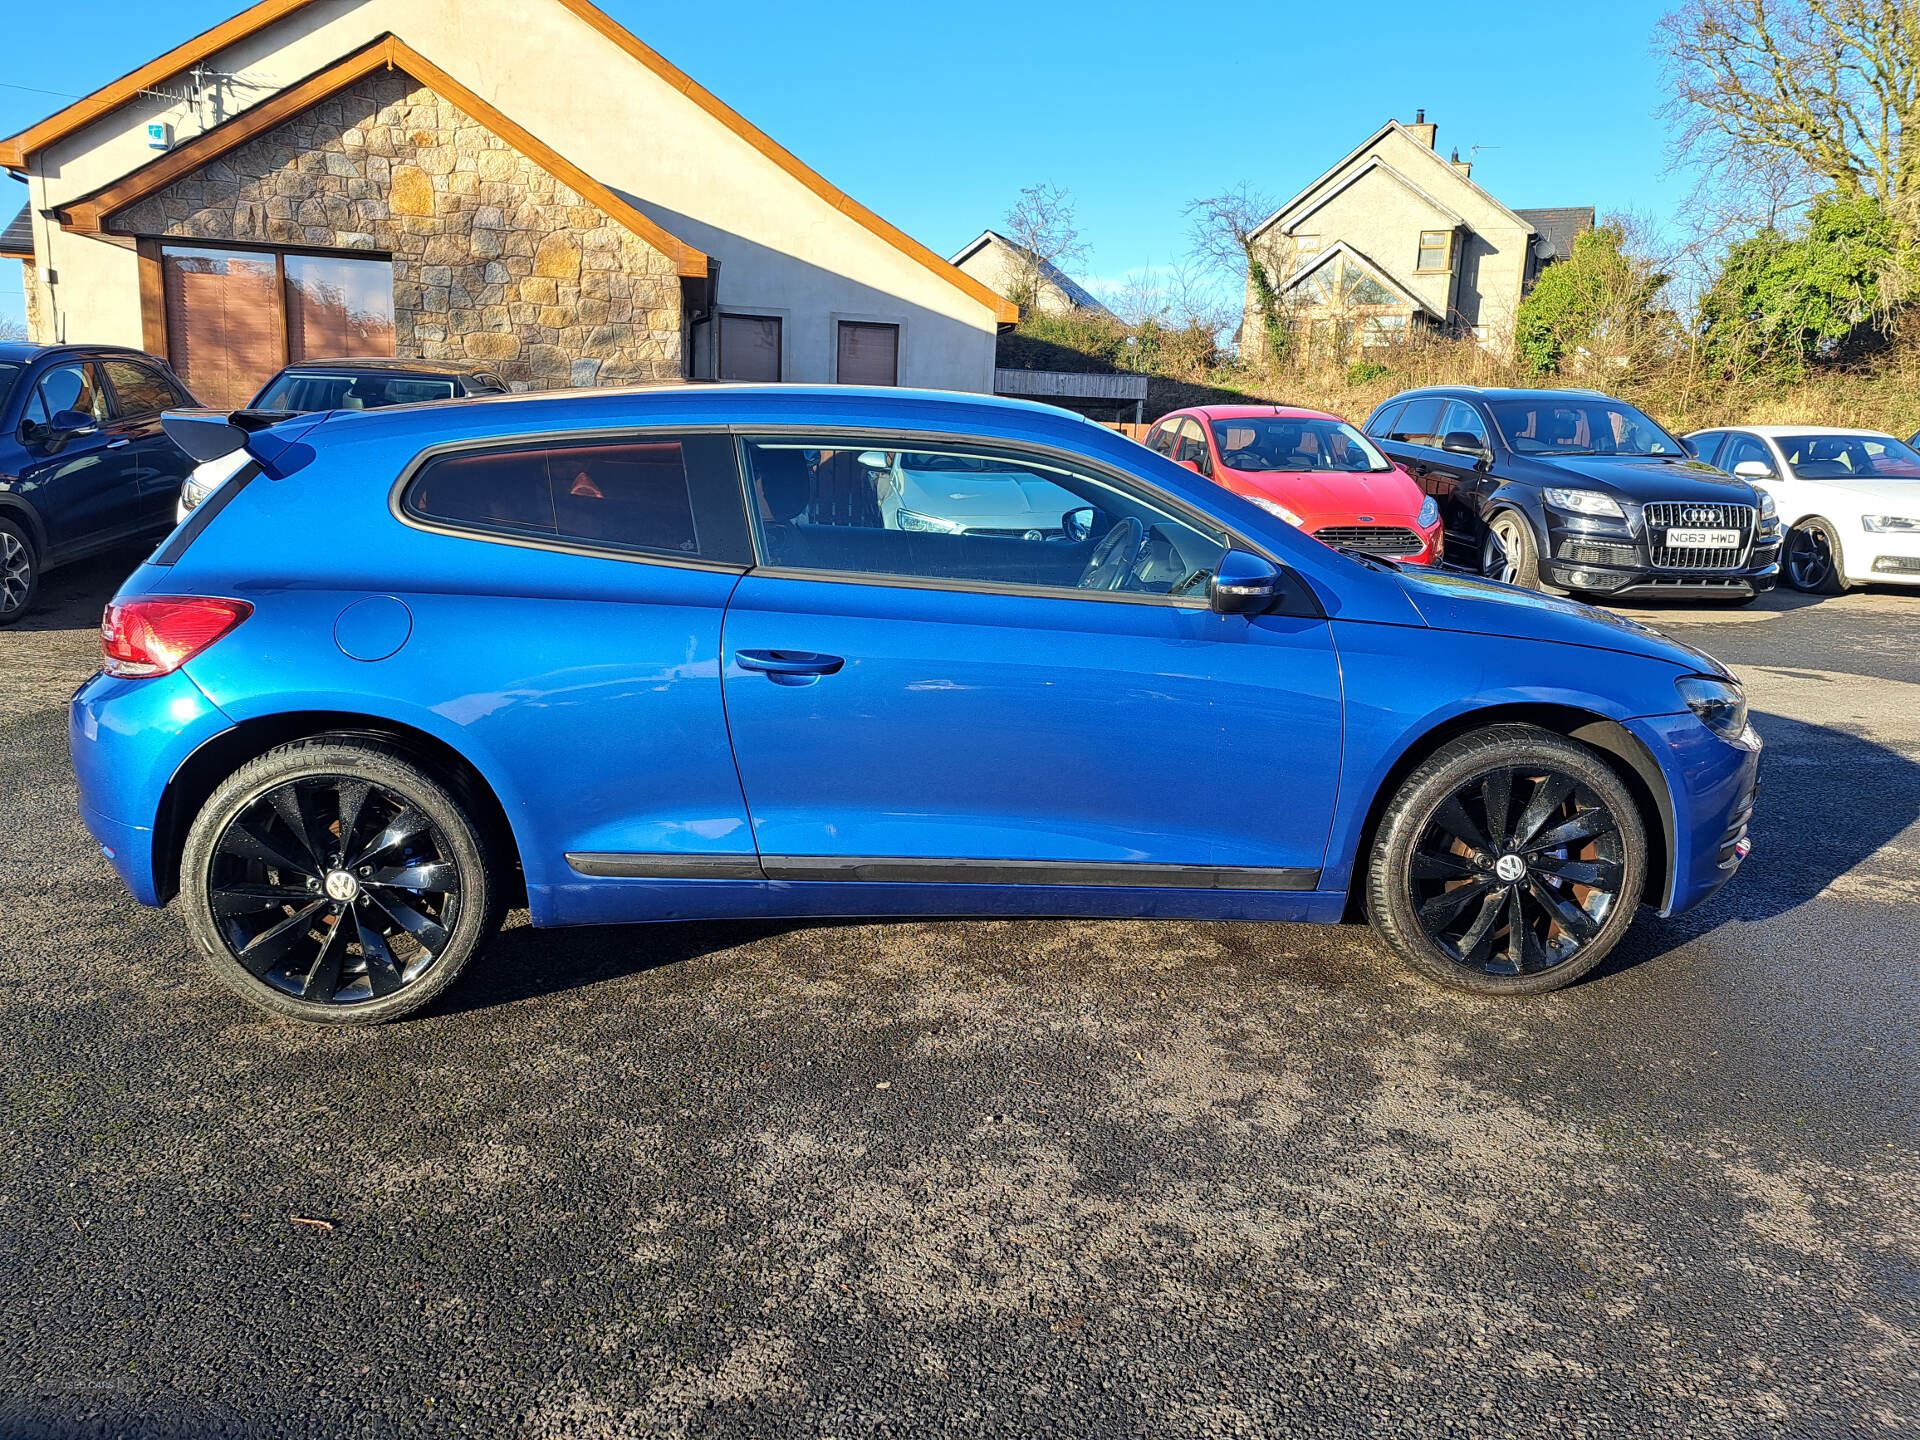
<point>1687,445</point>
<point>1465,442</point>
<point>1243,584</point>
<point>67,425</point>
<point>1078,525</point>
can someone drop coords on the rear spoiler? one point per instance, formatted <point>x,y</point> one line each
<point>209,434</point>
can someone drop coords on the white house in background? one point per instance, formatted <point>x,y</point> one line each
<point>519,182</point>
<point>1395,238</point>
<point>1000,264</point>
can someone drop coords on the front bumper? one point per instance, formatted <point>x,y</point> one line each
<point>1609,558</point>
<point>1711,785</point>
<point>1892,558</point>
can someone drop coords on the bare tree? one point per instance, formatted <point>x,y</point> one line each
<point>12,329</point>
<point>1042,227</point>
<point>1774,100</point>
<point>1220,236</point>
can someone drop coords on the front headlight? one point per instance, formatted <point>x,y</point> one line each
<point>1274,507</point>
<point>1583,502</point>
<point>1429,513</point>
<point>1768,509</point>
<point>1720,704</point>
<point>1889,524</point>
<point>211,475</point>
<point>913,520</point>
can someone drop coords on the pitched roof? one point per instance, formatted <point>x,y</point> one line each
<point>1341,247</point>
<point>1372,140</point>
<point>1077,295</point>
<point>1559,227</point>
<point>88,214</point>
<point>16,241</point>
<point>15,150</point>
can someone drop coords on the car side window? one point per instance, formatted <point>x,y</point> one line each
<point>1462,419</point>
<point>971,513</point>
<point>1193,446</point>
<point>1381,425</point>
<point>1419,423</point>
<point>1160,437</point>
<point>622,494</point>
<point>1705,444</point>
<point>138,390</point>
<point>1742,448</point>
<point>73,386</point>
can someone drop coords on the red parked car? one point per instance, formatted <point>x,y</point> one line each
<point>1313,470</point>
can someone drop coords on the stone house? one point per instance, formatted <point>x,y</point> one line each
<point>1004,267</point>
<point>521,183</point>
<point>1395,240</point>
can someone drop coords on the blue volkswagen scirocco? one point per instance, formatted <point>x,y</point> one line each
<point>667,654</point>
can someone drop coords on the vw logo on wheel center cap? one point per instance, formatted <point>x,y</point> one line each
<point>341,885</point>
<point>1507,867</point>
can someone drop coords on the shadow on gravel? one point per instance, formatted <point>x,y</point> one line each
<point>1829,801</point>
<point>523,962</point>
<point>72,597</point>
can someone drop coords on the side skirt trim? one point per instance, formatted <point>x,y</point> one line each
<point>874,869</point>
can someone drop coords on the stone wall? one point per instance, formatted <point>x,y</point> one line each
<point>494,259</point>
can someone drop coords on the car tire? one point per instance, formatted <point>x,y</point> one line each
<point>19,572</point>
<point>1509,553</point>
<point>1814,560</point>
<point>1443,888</point>
<point>263,894</point>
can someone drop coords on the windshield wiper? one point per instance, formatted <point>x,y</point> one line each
<point>1367,557</point>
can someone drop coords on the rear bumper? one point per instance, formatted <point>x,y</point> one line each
<point>128,739</point>
<point>1711,786</point>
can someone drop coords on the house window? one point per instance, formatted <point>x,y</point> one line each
<point>749,347</point>
<point>1305,247</point>
<point>1436,252</point>
<point>869,354</point>
<point>234,317</point>
<point>1378,331</point>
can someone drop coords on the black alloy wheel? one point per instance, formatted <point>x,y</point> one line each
<point>1511,862</point>
<point>336,882</point>
<point>1814,561</point>
<point>19,572</point>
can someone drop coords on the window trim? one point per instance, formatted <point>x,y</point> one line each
<point>745,433</point>
<point>780,318</point>
<point>567,545</point>
<point>1421,247</point>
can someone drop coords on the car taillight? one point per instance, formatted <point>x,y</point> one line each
<point>159,634</point>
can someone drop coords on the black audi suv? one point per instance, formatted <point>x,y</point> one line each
<point>1573,490</point>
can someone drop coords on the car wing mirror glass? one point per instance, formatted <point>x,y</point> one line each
<point>1243,584</point>
<point>1754,470</point>
<point>1078,525</point>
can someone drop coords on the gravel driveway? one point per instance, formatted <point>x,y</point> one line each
<point>1004,1178</point>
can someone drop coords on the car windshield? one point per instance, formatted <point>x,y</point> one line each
<point>1578,425</point>
<point>306,390</point>
<point>8,374</point>
<point>1277,442</point>
<point>1849,457</point>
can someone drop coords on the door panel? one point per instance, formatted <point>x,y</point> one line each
<point>85,488</point>
<point>976,726</point>
<point>160,467</point>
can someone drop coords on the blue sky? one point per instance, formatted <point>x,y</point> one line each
<point>936,116</point>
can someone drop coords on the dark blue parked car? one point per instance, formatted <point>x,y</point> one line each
<point>84,464</point>
<point>671,654</point>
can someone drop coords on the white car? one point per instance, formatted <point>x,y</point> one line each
<point>918,491</point>
<point>1849,500</point>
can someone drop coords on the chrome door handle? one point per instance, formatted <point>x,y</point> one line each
<point>116,444</point>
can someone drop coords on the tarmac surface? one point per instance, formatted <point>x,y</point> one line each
<point>1008,1178</point>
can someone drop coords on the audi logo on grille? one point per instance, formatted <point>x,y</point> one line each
<point>1699,517</point>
